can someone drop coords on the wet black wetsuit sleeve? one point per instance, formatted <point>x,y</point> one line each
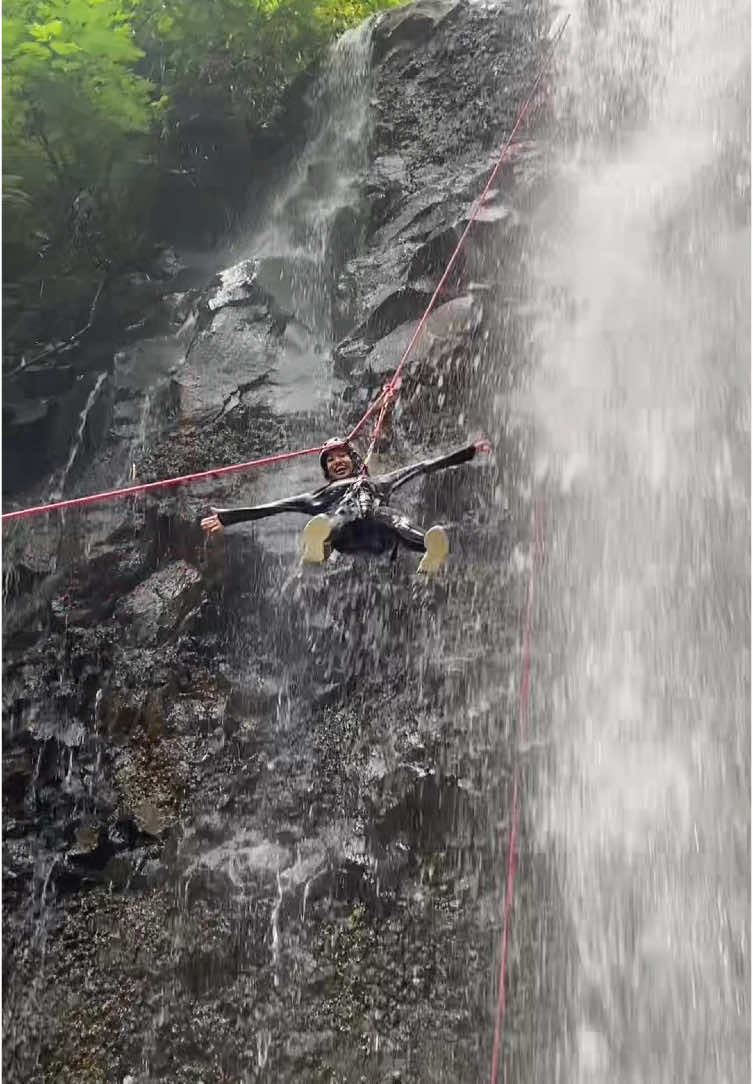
<point>399,477</point>
<point>310,504</point>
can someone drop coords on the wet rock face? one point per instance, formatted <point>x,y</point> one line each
<point>214,159</point>
<point>46,394</point>
<point>411,26</point>
<point>435,142</point>
<point>251,815</point>
<point>157,607</point>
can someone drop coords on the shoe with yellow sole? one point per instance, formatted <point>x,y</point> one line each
<point>437,547</point>
<point>315,539</point>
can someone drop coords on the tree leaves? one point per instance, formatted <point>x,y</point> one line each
<point>45,31</point>
<point>88,87</point>
<point>32,49</point>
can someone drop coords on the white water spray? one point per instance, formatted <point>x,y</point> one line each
<point>78,438</point>
<point>324,174</point>
<point>313,213</point>
<point>641,409</point>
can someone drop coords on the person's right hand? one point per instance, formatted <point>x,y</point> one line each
<point>211,523</point>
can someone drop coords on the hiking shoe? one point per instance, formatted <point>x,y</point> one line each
<point>437,547</point>
<point>315,539</point>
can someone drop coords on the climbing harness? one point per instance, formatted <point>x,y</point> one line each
<point>383,401</point>
<point>380,407</point>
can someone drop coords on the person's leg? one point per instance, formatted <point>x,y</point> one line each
<point>433,543</point>
<point>315,539</point>
<point>319,533</point>
<point>410,535</point>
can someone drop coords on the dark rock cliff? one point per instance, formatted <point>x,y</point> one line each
<point>253,816</point>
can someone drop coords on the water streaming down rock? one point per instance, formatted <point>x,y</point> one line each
<point>301,781</point>
<point>314,224</point>
<point>79,437</point>
<point>640,402</point>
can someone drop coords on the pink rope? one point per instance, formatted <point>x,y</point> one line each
<point>383,400</point>
<point>525,685</point>
<point>390,389</point>
<point>148,487</point>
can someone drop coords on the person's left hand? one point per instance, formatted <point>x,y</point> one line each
<point>482,446</point>
<point>211,523</point>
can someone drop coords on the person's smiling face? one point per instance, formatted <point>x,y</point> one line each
<point>339,464</point>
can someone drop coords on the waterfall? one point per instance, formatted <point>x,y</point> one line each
<point>639,401</point>
<point>314,221</point>
<point>78,438</point>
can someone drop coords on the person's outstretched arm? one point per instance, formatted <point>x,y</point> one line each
<point>427,466</point>
<point>310,504</point>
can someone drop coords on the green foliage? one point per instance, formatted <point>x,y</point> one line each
<point>75,109</point>
<point>70,92</point>
<point>91,87</point>
<point>243,52</point>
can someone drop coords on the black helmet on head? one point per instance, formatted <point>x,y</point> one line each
<point>339,442</point>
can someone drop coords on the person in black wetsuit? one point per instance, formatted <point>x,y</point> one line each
<point>352,512</point>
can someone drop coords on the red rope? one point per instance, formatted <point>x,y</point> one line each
<point>525,686</point>
<point>382,402</point>
<point>385,397</point>
<point>148,486</point>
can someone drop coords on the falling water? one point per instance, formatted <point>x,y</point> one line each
<point>640,402</point>
<point>313,223</point>
<point>78,439</point>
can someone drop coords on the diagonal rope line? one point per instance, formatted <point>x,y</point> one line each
<point>383,401</point>
<point>390,389</point>
<point>148,487</point>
